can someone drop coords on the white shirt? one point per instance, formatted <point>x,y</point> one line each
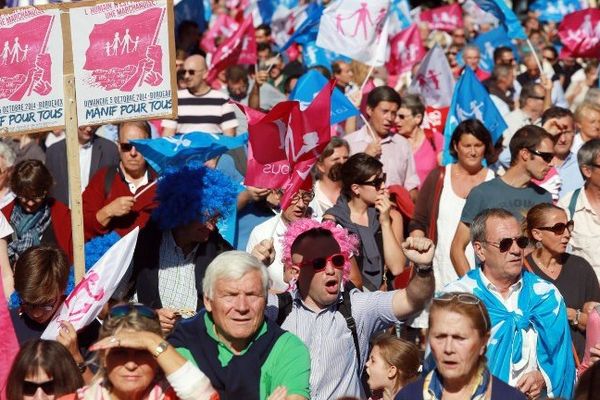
<point>133,187</point>
<point>85,163</point>
<point>5,228</point>
<point>272,228</point>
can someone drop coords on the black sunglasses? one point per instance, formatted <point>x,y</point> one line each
<point>190,71</point>
<point>377,182</point>
<point>338,261</point>
<point>559,228</point>
<point>547,157</point>
<point>126,147</point>
<point>29,388</point>
<point>505,244</point>
<point>124,310</point>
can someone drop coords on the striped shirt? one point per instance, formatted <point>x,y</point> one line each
<point>334,367</point>
<point>176,276</point>
<point>209,113</point>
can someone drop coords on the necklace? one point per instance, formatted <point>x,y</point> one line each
<point>546,268</point>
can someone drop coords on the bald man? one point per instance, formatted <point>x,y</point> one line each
<point>200,108</point>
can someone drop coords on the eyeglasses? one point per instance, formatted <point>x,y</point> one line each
<point>464,298</point>
<point>191,72</point>
<point>403,116</point>
<point>29,388</point>
<point>547,157</point>
<point>537,97</point>
<point>451,53</point>
<point>305,196</point>
<point>594,165</point>
<point>46,307</point>
<point>126,147</point>
<point>377,183</point>
<point>124,310</point>
<point>507,62</point>
<point>505,244</point>
<point>559,228</point>
<point>35,199</point>
<point>338,261</point>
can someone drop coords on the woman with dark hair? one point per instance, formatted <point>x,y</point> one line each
<point>364,209</point>
<point>459,329</point>
<point>392,364</point>
<point>426,148</point>
<point>327,185</point>
<point>450,185</point>
<point>136,363</point>
<point>35,217</point>
<point>42,370</point>
<point>573,276</point>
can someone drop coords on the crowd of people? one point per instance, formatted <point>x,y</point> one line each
<point>393,277</point>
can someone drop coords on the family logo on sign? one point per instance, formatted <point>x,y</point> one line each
<point>28,65</point>
<point>125,59</point>
<point>363,16</point>
<point>474,113</point>
<point>428,81</point>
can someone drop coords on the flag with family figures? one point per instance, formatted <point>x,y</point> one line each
<point>554,11</point>
<point>506,16</point>
<point>445,18</point>
<point>580,33</point>
<point>488,42</point>
<point>308,29</point>
<point>406,49</point>
<point>471,100</point>
<point>434,81</point>
<point>357,29</point>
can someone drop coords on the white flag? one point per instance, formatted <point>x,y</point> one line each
<point>356,29</point>
<point>434,81</point>
<point>87,299</point>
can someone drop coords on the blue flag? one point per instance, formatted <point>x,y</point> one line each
<point>310,84</point>
<point>180,149</point>
<point>315,55</point>
<point>190,10</point>
<point>488,42</point>
<point>505,15</point>
<point>554,11</point>
<point>266,9</point>
<point>400,10</point>
<point>470,100</point>
<point>308,30</point>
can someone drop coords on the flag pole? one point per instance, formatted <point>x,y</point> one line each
<point>535,56</point>
<point>369,128</point>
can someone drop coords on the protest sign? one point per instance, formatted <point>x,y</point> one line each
<point>122,56</point>
<point>31,70</point>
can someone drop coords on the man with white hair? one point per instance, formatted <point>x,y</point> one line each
<point>243,355</point>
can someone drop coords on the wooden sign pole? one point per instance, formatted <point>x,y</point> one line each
<point>71,136</point>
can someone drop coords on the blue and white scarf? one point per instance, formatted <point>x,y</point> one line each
<point>540,307</point>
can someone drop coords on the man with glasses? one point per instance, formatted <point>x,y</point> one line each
<point>200,108</point>
<point>533,100</point>
<point>548,79</point>
<point>95,153</point>
<point>334,319</point>
<point>530,344</point>
<point>532,151</point>
<point>559,122</point>
<point>115,198</point>
<point>273,230</point>
<point>583,206</point>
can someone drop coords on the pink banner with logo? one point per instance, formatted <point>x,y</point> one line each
<point>580,33</point>
<point>444,18</point>
<point>122,59</point>
<point>31,69</point>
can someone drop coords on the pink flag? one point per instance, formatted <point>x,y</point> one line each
<point>580,33</point>
<point>406,50</point>
<point>299,179</point>
<point>434,81</point>
<point>9,346</point>
<point>224,26</point>
<point>23,58</point>
<point>444,18</point>
<point>238,49</point>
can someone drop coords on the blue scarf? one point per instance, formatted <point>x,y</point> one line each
<point>542,309</point>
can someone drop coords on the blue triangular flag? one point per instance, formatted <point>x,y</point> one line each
<point>308,30</point>
<point>488,42</point>
<point>310,84</point>
<point>470,100</point>
<point>554,11</point>
<point>505,15</point>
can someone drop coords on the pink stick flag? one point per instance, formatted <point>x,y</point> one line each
<point>9,346</point>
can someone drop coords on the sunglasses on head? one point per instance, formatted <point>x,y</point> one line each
<point>318,264</point>
<point>547,157</point>
<point>377,182</point>
<point>124,310</point>
<point>126,147</point>
<point>505,244</point>
<point>559,228</point>
<point>29,388</point>
<point>464,298</point>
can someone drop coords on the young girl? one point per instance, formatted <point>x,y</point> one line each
<point>392,364</point>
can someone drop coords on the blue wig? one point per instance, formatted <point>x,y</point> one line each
<point>192,193</point>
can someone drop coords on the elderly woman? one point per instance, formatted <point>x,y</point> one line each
<point>459,329</point>
<point>136,363</point>
<point>573,276</point>
<point>364,209</point>
<point>425,148</point>
<point>392,364</point>
<point>327,185</point>
<point>35,217</point>
<point>42,370</point>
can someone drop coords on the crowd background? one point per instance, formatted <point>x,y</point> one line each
<point>509,230</point>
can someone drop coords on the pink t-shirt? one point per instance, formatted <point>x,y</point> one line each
<point>426,157</point>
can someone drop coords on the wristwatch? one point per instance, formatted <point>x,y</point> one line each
<point>162,346</point>
<point>423,269</point>
<point>576,320</point>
